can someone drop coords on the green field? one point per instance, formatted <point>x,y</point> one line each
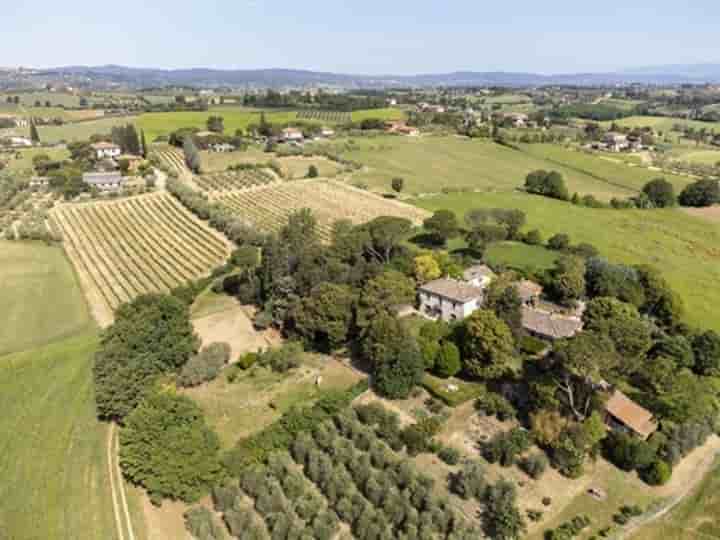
<point>429,164</point>
<point>662,123</point>
<point>156,124</point>
<point>53,461</point>
<point>702,157</point>
<point>382,114</point>
<point>686,249</point>
<point>603,168</point>
<point>696,518</point>
<point>41,300</point>
<point>82,130</point>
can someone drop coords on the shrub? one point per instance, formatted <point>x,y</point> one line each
<point>559,242</point>
<point>505,447</point>
<point>246,361</point>
<point>448,360</point>
<point>534,465</point>
<point>468,482</point>
<point>449,455</point>
<point>205,366</point>
<point>281,359</point>
<point>201,524</point>
<point>657,474</point>
<point>313,172</point>
<point>492,404</point>
<point>533,238</point>
<point>532,346</point>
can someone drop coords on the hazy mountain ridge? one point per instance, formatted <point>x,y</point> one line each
<point>113,75</point>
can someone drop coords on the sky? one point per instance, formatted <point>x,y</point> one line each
<point>362,37</point>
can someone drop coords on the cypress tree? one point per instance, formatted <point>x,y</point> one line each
<point>143,144</point>
<point>34,135</point>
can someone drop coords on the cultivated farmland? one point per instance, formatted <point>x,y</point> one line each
<point>269,207</point>
<point>173,159</point>
<point>135,246</point>
<point>330,117</point>
<point>234,180</point>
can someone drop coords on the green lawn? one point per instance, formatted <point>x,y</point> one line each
<point>520,256</point>
<point>702,157</point>
<point>53,460</point>
<point>429,164</point>
<point>41,299</point>
<point>686,249</point>
<point>696,518</point>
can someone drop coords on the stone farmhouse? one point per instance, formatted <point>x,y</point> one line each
<point>449,299</point>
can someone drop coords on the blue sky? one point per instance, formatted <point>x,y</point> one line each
<point>368,36</point>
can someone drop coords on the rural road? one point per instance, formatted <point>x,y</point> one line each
<point>117,488</point>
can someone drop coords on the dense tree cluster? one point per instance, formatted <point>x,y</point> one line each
<point>549,184</point>
<point>151,336</point>
<point>166,447</point>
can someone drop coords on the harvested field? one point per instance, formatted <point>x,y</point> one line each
<point>269,207</point>
<point>233,327</point>
<point>135,246</point>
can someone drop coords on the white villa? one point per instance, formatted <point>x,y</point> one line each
<point>104,150</point>
<point>449,299</point>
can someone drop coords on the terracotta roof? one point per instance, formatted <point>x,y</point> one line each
<point>632,415</point>
<point>549,324</point>
<point>451,289</point>
<point>527,290</point>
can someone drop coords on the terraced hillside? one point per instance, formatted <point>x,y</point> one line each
<point>268,207</point>
<point>135,246</point>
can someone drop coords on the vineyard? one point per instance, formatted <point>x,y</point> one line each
<point>173,159</point>
<point>334,117</point>
<point>234,180</point>
<point>138,245</point>
<point>269,207</point>
<point>348,479</point>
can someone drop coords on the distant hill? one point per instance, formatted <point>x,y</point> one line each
<point>120,76</point>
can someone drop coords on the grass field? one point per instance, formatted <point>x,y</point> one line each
<point>156,124</point>
<point>82,130</point>
<point>663,123</point>
<point>41,299</point>
<point>520,256</point>
<point>383,114</point>
<point>683,247</point>
<point>28,99</point>
<point>696,518</point>
<point>602,168</point>
<point>53,463</point>
<point>429,164</point>
<point>702,157</point>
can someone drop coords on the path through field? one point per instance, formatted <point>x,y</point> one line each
<point>119,498</point>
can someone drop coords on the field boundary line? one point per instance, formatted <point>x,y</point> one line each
<point>123,496</point>
<point>113,491</point>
